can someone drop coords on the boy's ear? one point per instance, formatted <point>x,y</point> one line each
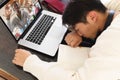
<point>92,17</point>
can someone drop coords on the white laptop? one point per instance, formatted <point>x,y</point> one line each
<point>45,24</point>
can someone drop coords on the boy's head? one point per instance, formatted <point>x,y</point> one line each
<point>77,10</point>
<point>86,17</point>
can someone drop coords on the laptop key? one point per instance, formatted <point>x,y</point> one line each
<point>38,33</point>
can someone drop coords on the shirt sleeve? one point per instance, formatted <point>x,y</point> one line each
<point>36,66</point>
<point>48,71</point>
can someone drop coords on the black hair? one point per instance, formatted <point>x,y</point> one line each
<point>15,3</point>
<point>77,10</point>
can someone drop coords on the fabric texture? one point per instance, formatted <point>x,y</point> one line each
<point>72,56</point>
<point>60,70</point>
<point>54,5</point>
<point>112,4</point>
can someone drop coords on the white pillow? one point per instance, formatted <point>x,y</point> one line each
<point>108,43</point>
<point>112,4</point>
<point>68,56</point>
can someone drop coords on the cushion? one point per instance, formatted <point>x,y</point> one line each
<point>112,4</point>
<point>108,43</point>
<point>68,56</point>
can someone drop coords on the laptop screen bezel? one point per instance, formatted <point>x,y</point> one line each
<point>8,28</point>
<point>3,2</point>
<point>29,26</point>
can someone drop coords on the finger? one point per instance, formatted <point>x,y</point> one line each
<point>66,39</point>
<point>15,62</point>
<point>73,43</point>
<point>69,40</point>
<point>78,43</point>
<point>17,50</point>
<point>16,53</point>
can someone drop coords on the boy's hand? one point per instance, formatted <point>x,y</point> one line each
<point>73,39</point>
<point>20,56</point>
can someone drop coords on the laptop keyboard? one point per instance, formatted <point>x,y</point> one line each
<point>40,30</point>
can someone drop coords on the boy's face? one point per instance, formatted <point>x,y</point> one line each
<point>86,30</point>
<point>91,28</point>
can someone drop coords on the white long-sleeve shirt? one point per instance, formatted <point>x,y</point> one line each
<point>103,64</point>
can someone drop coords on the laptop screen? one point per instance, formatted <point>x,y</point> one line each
<point>18,14</point>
